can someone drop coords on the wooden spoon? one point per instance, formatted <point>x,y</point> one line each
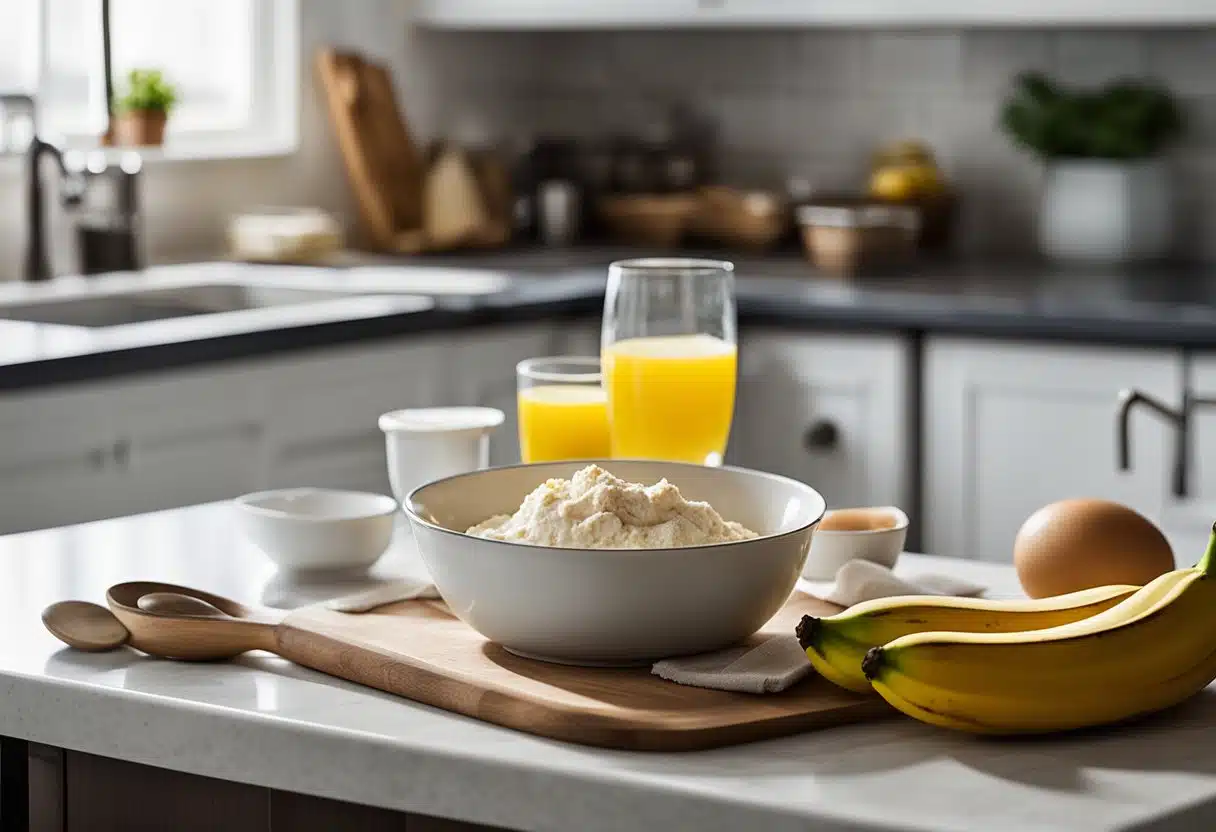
<point>174,603</point>
<point>182,623</point>
<point>85,626</point>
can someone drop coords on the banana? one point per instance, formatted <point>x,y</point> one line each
<point>1154,649</point>
<point>837,644</point>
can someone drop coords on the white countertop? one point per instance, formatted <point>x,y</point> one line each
<point>263,721</point>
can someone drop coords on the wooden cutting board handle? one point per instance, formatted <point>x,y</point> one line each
<point>193,638</point>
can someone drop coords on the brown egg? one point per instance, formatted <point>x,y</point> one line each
<point>1077,544</point>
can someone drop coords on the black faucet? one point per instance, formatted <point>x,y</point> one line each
<point>37,259</point>
<point>1179,419</point>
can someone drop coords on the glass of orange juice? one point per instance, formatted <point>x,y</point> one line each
<point>563,410</point>
<point>669,358</point>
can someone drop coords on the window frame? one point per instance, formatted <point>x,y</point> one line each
<point>274,100</point>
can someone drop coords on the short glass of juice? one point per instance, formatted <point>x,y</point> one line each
<point>669,358</point>
<point>563,410</point>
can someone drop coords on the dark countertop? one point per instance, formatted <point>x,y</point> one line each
<point>1162,306</point>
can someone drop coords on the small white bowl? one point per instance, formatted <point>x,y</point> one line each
<point>305,529</point>
<point>833,548</point>
<point>615,606</point>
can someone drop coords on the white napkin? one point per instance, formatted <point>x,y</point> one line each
<point>390,593</point>
<point>863,580</point>
<point>780,662</point>
<point>768,668</point>
<point>356,591</point>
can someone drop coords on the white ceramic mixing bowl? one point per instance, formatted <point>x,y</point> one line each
<point>615,606</point>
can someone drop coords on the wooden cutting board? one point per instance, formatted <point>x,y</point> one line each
<point>382,162</point>
<point>419,650</point>
<point>408,201</point>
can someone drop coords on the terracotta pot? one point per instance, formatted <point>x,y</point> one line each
<point>140,128</point>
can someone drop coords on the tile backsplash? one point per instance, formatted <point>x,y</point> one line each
<point>814,103</point>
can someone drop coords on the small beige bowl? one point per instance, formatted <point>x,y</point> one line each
<point>873,534</point>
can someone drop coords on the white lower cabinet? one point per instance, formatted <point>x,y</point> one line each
<point>829,410</point>
<point>211,433</point>
<point>1011,427</point>
<point>107,449</point>
<point>322,411</point>
<point>577,338</point>
<point>184,440</point>
<point>56,454</point>
<point>481,369</point>
<point>1006,427</point>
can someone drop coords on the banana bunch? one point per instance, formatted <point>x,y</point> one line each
<point>1154,648</point>
<point>837,645</point>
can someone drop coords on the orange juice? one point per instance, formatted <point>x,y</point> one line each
<point>670,397</point>
<point>563,421</point>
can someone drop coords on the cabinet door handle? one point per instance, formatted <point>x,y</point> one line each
<point>822,435</point>
<point>122,452</point>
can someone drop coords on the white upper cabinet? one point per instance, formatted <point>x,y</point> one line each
<point>829,410</point>
<point>567,14</point>
<point>1011,427</point>
<point>552,14</point>
<point>952,12</point>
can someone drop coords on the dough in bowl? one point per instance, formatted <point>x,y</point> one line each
<point>595,510</point>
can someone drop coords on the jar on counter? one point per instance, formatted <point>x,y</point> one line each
<point>846,236</point>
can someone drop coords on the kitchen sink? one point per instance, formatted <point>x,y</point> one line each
<point>161,304</point>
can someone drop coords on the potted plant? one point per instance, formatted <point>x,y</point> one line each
<point>141,112</point>
<point>1107,194</point>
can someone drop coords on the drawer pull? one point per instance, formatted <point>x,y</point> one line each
<point>822,435</point>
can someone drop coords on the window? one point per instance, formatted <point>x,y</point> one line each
<point>234,62</point>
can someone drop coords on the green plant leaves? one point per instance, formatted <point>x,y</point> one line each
<point>1122,120</point>
<point>147,89</point>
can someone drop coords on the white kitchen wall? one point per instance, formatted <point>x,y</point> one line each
<point>808,103</point>
<point>186,203</point>
<point>816,103</point>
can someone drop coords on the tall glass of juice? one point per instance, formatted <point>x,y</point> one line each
<point>563,410</point>
<point>669,358</point>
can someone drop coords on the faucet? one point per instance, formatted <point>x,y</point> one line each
<point>1179,419</point>
<point>37,259</point>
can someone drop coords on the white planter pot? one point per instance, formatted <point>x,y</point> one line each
<point>1106,212</point>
